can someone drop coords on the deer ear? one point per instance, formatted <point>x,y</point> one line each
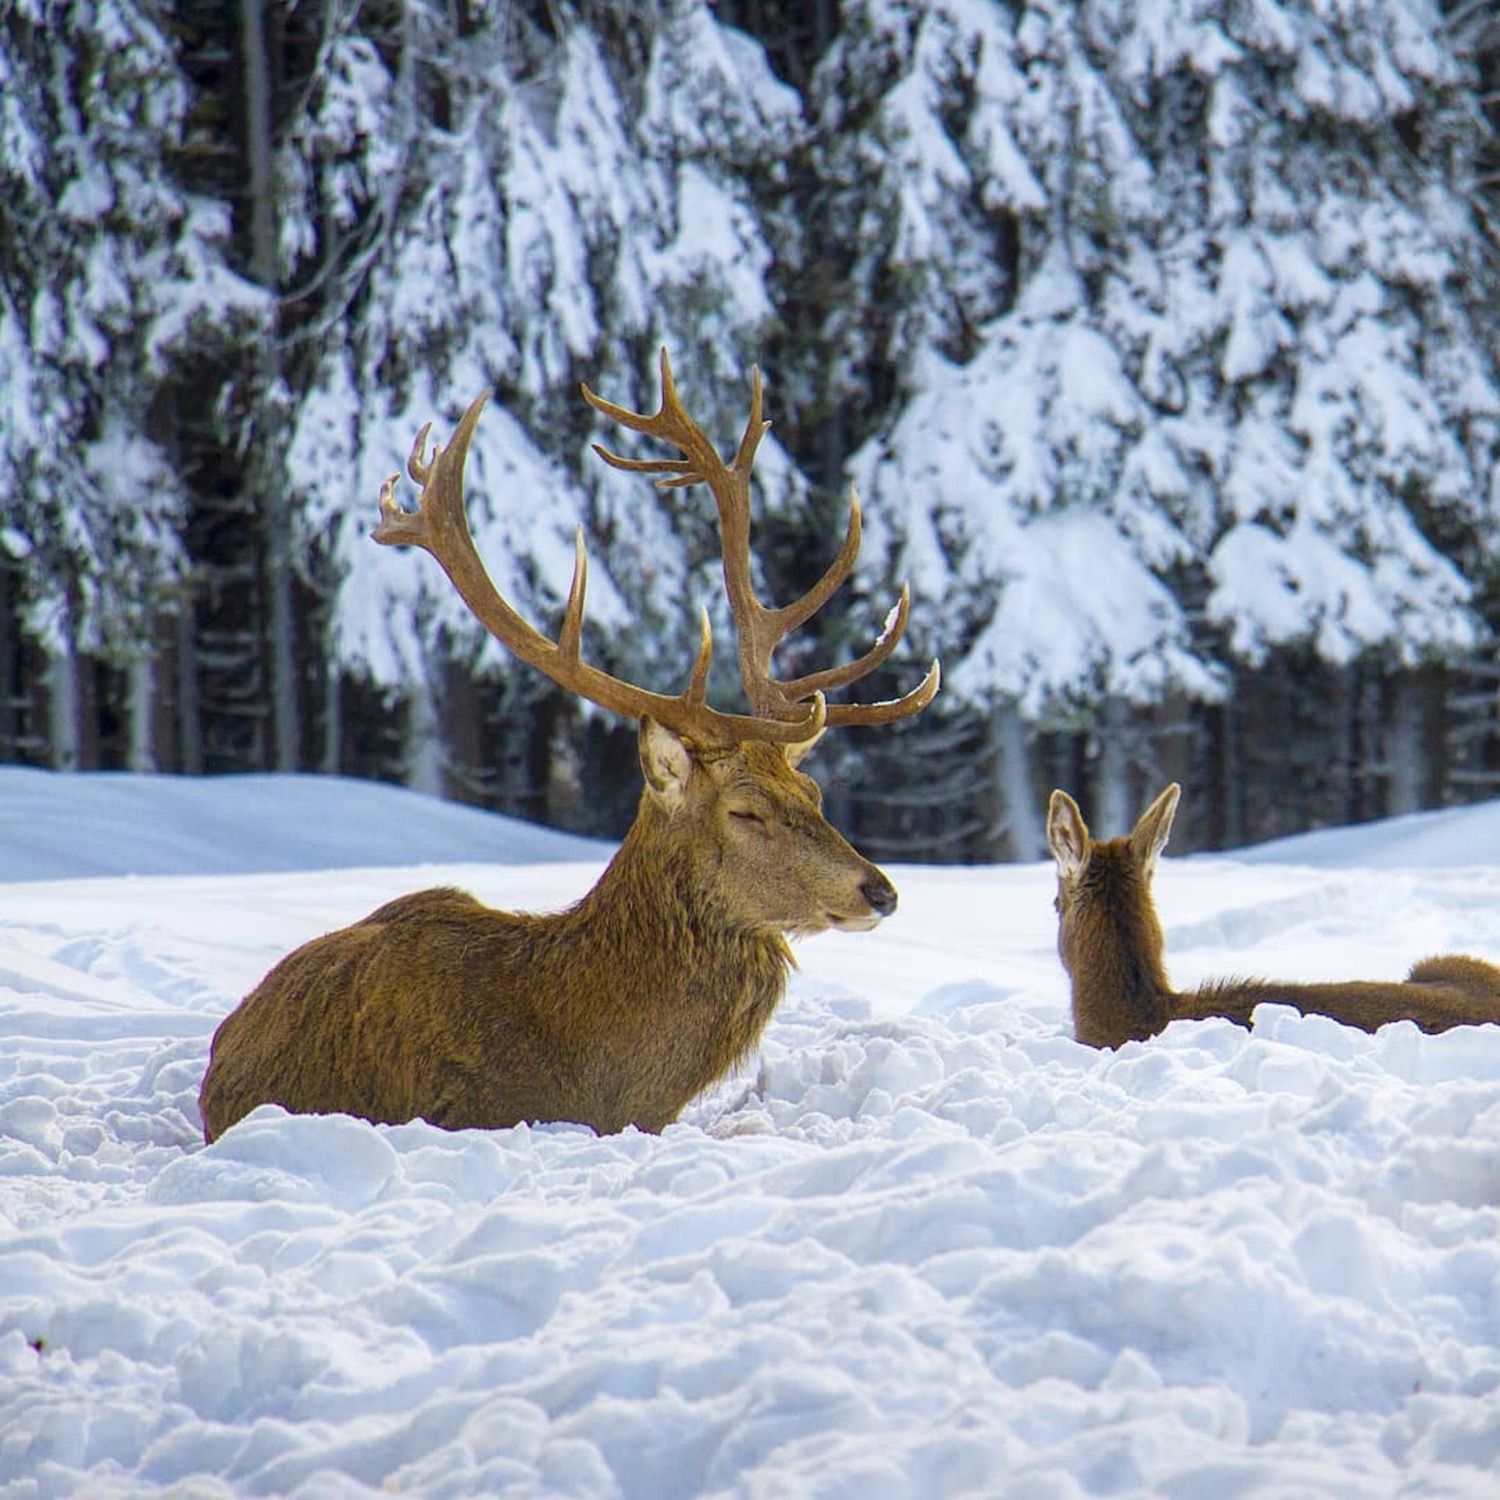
<point>1068,835</point>
<point>1149,836</point>
<point>666,763</point>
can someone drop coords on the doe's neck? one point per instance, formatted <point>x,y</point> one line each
<point>1113,944</point>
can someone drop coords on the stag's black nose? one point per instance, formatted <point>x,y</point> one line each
<point>880,893</point>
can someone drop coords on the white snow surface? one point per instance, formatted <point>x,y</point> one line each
<point>58,826</point>
<point>925,1245</point>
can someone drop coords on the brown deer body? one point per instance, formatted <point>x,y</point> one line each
<point>1110,942</point>
<point>619,1010</point>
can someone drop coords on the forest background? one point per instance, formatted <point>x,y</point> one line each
<point>1161,339</point>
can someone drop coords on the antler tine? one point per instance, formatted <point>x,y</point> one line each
<point>756,427</point>
<point>570,637</point>
<point>667,417</point>
<point>677,466</point>
<point>760,628</point>
<point>890,709</point>
<point>422,527</point>
<point>830,678</point>
<point>394,522</point>
<point>440,526</point>
<point>697,688</point>
<point>789,617</point>
<point>670,422</point>
<point>416,465</point>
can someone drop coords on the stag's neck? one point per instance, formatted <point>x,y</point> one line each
<point>698,990</point>
<point>1120,987</point>
<point>655,891</point>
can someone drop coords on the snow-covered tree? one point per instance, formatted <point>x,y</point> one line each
<point>1318,317</point>
<point>572,197</point>
<point>1234,373</point>
<point>1159,340</point>
<point>107,272</point>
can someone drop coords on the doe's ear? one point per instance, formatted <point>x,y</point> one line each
<point>1149,836</point>
<point>1067,835</point>
<point>666,763</point>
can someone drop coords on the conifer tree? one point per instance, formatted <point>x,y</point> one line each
<point>108,273</point>
<point>570,199</point>
<point>1234,375</point>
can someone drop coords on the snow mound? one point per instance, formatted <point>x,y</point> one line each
<point>60,826</point>
<point>925,1245</point>
<point>1427,840</point>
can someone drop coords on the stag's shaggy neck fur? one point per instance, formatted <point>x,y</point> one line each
<point>701,989</point>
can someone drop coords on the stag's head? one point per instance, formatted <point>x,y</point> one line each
<point>748,828</point>
<point>1104,904</point>
<point>723,791</point>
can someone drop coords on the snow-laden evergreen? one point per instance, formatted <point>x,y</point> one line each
<point>919,174</point>
<point>571,203</point>
<point>1238,371</point>
<point>1158,337</point>
<point>108,272</point>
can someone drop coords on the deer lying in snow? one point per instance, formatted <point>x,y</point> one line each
<point>1110,942</point>
<point>619,1010</point>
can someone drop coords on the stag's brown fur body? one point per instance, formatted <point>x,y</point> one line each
<point>1110,941</point>
<point>621,1009</point>
<point>438,1006</point>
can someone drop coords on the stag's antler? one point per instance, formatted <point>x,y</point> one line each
<point>440,527</point>
<point>762,629</point>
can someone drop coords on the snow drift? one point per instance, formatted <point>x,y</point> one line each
<point>926,1246</point>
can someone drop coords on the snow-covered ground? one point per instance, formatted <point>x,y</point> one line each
<point>927,1246</point>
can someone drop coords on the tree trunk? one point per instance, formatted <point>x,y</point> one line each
<point>141,711</point>
<point>333,720</point>
<point>1346,727</point>
<point>1024,832</point>
<point>1113,811</point>
<point>1231,773</point>
<point>64,722</point>
<point>1407,771</point>
<point>189,710</point>
<point>1468,753</point>
<point>10,672</point>
<point>265,465</point>
<point>424,740</point>
<point>281,623</point>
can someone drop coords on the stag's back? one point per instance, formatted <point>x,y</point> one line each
<point>436,1006</point>
<point>352,1021</point>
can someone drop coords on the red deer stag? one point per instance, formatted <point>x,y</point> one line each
<point>620,1009</point>
<point>1110,942</point>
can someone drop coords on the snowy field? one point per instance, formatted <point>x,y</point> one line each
<point>927,1246</point>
